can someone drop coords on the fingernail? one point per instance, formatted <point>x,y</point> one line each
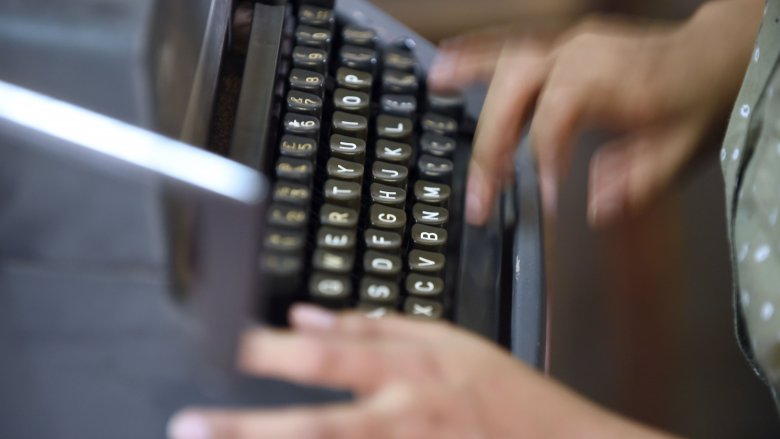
<point>474,209</point>
<point>549,188</point>
<point>188,426</point>
<point>602,212</point>
<point>312,317</point>
<point>475,203</point>
<point>606,205</point>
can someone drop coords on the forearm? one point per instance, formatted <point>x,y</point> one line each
<point>720,36</point>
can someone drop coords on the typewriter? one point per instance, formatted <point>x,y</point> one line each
<point>320,105</point>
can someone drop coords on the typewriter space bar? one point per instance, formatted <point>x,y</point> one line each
<point>255,104</point>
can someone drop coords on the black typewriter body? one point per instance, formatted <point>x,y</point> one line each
<point>368,173</point>
<point>365,171</point>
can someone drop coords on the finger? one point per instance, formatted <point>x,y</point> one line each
<point>558,114</point>
<point>467,58</point>
<point>375,417</point>
<point>518,77</point>
<point>330,422</point>
<point>335,361</point>
<point>626,175</point>
<point>459,67</point>
<point>310,318</point>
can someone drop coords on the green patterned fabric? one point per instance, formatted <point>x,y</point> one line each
<point>750,159</point>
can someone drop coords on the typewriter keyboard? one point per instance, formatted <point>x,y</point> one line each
<point>362,172</point>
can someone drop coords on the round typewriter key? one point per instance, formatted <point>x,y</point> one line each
<point>298,147</point>
<point>302,125</point>
<point>422,285</point>
<point>344,193</point>
<point>374,310</point>
<point>351,100</point>
<point>359,58</point>
<point>430,215</point>
<point>359,36</point>
<point>313,37</point>
<point>344,170</point>
<point>389,195</point>
<point>434,168</point>
<point>284,240</point>
<point>292,193</point>
<point>388,218</point>
<point>399,105</point>
<point>299,170</point>
<point>287,216</point>
<point>382,240</point>
<point>336,216</point>
<point>400,59</point>
<point>348,148</point>
<point>336,239</point>
<point>305,103</point>
<point>353,125</point>
<point>423,308</point>
<point>426,262</point>
<point>354,79</point>
<point>329,289</point>
<point>307,81</point>
<point>439,124</point>
<point>333,261</point>
<point>449,103</point>
<point>394,127</point>
<point>435,144</point>
<point>315,16</point>
<point>381,264</point>
<point>428,238</point>
<point>394,81</point>
<point>393,152</point>
<point>376,290</point>
<point>310,58</point>
<point>390,174</point>
<point>431,192</point>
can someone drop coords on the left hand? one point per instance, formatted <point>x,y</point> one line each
<point>411,379</point>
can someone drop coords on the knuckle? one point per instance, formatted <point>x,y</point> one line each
<point>424,364</point>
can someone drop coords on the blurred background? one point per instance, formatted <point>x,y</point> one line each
<point>641,314</point>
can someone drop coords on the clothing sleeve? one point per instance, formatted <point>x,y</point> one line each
<point>756,237</point>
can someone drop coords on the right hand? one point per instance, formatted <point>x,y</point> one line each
<point>663,89</point>
<point>411,380</point>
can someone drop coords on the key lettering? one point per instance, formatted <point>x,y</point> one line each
<point>382,264</point>
<point>332,261</point>
<point>430,215</point>
<point>336,240</point>
<point>337,191</point>
<point>424,262</point>
<point>420,310</point>
<point>431,191</point>
<point>387,195</point>
<point>387,217</point>
<point>390,172</point>
<point>378,291</point>
<point>338,217</point>
<point>423,287</point>
<point>330,287</point>
<point>429,236</point>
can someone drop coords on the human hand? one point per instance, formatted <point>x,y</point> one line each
<point>662,89</point>
<point>412,379</point>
